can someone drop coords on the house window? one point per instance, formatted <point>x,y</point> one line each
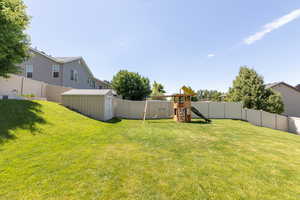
<point>100,87</point>
<point>55,71</point>
<point>29,71</point>
<point>75,75</point>
<point>72,75</point>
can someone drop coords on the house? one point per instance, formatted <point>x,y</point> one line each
<point>290,96</point>
<point>63,71</point>
<point>297,87</point>
<point>102,84</point>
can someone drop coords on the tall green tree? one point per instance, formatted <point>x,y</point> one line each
<point>131,85</point>
<point>14,42</point>
<point>249,88</point>
<point>157,91</point>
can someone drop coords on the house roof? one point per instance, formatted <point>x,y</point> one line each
<point>68,59</point>
<point>63,60</point>
<point>272,85</point>
<point>93,92</point>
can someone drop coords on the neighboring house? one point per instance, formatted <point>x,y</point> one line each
<point>102,84</point>
<point>290,96</point>
<point>64,71</point>
<point>297,87</point>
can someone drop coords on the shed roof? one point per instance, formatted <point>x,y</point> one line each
<point>94,92</point>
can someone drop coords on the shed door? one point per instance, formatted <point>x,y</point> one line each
<point>108,108</point>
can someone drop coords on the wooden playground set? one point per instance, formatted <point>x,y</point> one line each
<point>182,106</point>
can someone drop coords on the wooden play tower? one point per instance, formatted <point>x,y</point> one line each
<point>182,106</point>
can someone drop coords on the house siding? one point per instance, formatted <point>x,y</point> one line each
<point>83,76</point>
<point>42,69</point>
<point>291,100</point>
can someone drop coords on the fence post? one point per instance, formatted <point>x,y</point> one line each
<point>208,110</point>
<point>261,124</point>
<point>22,85</point>
<point>241,111</point>
<point>276,122</point>
<point>288,123</point>
<point>224,110</point>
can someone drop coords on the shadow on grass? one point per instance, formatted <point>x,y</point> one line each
<point>114,121</point>
<point>18,114</point>
<point>160,121</point>
<point>200,122</point>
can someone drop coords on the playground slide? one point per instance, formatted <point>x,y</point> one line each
<point>194,110</point>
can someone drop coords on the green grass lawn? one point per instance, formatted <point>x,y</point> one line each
<point>50,152</point>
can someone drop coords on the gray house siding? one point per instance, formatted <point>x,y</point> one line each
<point>42,65</point>
<point>42,69</point>
<point>291,99</point>
<point>83,75</point>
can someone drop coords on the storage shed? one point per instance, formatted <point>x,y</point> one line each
<point>97,104</point>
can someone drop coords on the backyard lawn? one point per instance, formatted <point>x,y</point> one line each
<point>50,152</point>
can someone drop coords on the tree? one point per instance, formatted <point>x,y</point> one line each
<point>249,88</point>
<point>131,85</point>
<point>209,95</point>
<point>14,42</point>
<point>157,91</point>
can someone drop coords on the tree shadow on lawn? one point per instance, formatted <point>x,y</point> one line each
<point>18,114</point>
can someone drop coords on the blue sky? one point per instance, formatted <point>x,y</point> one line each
<point>197,43</point>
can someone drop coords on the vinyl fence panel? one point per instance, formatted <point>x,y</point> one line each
<point>244,114</point>
<point>268,120</point>
<point>233,110</point>
<point>254,117</point>
<point>202,107</point>
<point>11,86</point>
<point>282,123</point>
<point>37,88</point>
<point>216,110</point>
<point>53,92</point>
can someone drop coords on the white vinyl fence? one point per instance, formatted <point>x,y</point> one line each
<point>214,110</point>
<point>135,109</point>
<point>18,85</point>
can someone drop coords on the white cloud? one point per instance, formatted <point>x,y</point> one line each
<point>272,26</point>
<point>211,55</point>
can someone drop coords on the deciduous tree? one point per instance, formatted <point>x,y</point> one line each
<point>131,85</point>
<point>14,42</point>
